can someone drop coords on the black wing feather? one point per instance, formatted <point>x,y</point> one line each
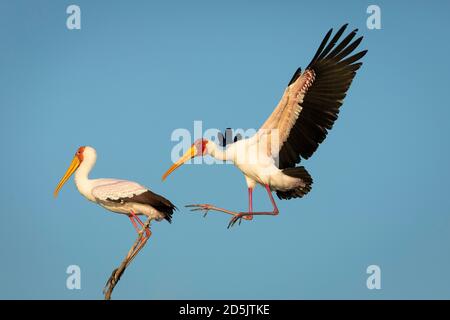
<point>150,198</point>
<point>294,78</point>
<point>334,73</point>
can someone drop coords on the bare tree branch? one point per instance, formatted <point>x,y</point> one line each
<point>132,253</point>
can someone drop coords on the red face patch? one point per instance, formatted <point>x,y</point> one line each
<point>79,153</point>
<point>200,144</point>
<point>204,142</point>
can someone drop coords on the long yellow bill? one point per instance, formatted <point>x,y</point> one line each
<point>186,157</point>
<point>73,166</point>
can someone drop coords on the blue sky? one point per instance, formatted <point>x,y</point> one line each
<point>138,70</point>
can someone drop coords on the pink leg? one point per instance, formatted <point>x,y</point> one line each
<point>134,223</point>
<point>246,214</point>
<point>275,211</point>
<point>250,203</point>
<point>136,218</point>
<point>205,208</point>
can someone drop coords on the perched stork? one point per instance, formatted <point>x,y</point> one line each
<point>120,196</point>
<point>300,122</point>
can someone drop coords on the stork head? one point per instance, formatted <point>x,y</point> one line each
<point>83,154</point>
<point>198,148</point>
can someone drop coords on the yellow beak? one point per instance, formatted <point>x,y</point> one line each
<point>192,152</point>
<point>73,166</point>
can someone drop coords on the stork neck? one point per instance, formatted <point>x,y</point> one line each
<point>220,154</point>
<point>82,180</point>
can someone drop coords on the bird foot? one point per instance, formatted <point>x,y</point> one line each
<point>205,208</point>
<point>239,217</point>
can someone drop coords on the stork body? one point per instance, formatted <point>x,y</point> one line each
<point>300,122</point>
<point>253,161</point>
<point>119,196</point>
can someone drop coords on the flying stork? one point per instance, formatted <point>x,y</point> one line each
<point>300,122</point>
<point>120,196</point>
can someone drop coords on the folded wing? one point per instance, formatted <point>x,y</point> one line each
<point>123,191</point>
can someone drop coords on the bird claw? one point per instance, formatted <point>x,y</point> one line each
<point>235,219</point>
<point>200,207</point>
<point>205,208</point>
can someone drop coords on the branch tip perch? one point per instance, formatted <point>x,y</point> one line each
<point>132,253</point>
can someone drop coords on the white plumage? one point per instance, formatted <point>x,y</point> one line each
<point>113,189</point>
<point>120,196</point>
<point>299,123</point>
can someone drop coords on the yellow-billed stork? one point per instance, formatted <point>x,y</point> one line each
<point>300,122</point>
<point>120,196</point>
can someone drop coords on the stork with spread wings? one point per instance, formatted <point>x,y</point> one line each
<point>300,122</point>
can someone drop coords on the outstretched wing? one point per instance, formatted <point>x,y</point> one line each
<point>310,104</point>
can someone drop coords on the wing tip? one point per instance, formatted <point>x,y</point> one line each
<point>295,76</point>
